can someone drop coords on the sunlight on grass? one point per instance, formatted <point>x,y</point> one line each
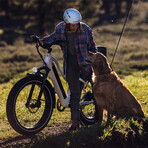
<point>5,128</point>
<point>137,83</point>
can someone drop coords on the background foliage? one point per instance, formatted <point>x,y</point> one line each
<point>20,18</point>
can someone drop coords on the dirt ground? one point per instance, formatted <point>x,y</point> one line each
<point>21,140</point>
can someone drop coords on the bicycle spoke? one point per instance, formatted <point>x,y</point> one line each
<point>28,116</point>
<point>87,105</point>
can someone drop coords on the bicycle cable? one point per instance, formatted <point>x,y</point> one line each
<point>37,47</point>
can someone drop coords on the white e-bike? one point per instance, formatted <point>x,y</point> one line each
<point>32,99</point>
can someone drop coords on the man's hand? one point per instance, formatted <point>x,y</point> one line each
<point>33,39</point>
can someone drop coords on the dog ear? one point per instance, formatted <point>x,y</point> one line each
<point>101,66</point>
<point>105,63</point>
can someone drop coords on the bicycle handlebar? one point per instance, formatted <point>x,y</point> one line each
<point>36,39</point>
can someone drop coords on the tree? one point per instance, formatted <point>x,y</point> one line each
<point>87,8</point>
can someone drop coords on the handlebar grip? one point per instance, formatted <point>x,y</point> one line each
<point>35,38</point>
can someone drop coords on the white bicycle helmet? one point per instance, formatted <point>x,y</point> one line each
<point>72,16</point>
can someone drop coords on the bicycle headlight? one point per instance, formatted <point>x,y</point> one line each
<point>34,69</point>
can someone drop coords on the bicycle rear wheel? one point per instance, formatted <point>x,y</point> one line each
<point>28,119</point>
<point>88,108</point>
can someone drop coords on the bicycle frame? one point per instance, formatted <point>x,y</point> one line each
<point>64,98</point>
<point>50,62</point>
<point>50,68</point>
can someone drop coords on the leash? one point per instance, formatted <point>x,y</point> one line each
<point>128,14</point>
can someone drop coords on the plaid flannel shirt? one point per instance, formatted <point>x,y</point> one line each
<point>83,43</point>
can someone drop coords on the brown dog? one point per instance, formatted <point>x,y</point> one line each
<point>109,92</point>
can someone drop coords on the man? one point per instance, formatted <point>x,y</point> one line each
<point>77,40</point>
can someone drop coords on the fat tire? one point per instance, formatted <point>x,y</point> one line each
<point>11,104</point>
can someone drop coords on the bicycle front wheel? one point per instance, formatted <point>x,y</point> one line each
<point>25,116</point>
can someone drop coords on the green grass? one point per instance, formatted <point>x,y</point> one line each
<point>92,135</point>
<point>137,82</point>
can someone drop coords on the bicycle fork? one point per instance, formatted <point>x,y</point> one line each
<point>38,103</point>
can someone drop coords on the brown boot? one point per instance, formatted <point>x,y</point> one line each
<point>74,126</point>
